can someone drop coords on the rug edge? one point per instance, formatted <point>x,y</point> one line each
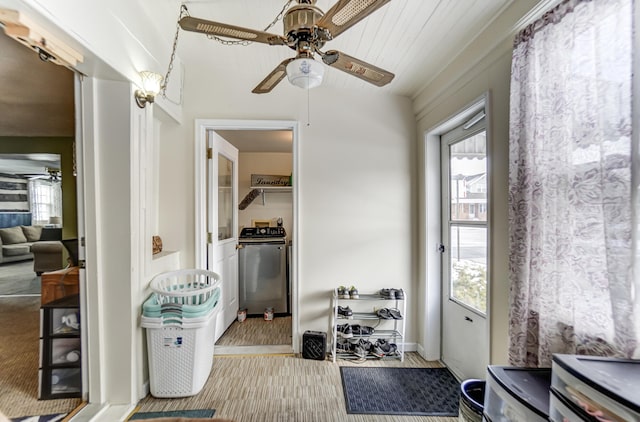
<point>172,413</point>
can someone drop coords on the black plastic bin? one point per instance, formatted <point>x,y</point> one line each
<point>472,400</point>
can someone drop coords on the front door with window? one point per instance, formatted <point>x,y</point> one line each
<point>464,266</point>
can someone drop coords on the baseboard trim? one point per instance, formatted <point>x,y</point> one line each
<point>253,350</point>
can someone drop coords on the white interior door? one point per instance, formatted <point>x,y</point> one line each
<point>222,222</point>
<point>464,251</point>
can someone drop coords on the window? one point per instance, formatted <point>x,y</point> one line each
<point>45,201</point>
<point>464,200</point>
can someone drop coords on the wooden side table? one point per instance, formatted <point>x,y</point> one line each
<point>60,283</point>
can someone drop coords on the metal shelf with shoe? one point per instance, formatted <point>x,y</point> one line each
<point>367,326</point>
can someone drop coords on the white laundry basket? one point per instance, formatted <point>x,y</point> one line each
<point>180,348</point>
<point>185,287</point>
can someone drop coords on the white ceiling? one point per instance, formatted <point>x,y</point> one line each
<point>414,39</point>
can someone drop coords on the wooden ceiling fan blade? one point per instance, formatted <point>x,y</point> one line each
<point>346,13</point>
<point>189,23</point>
<point>272,78</point>
<point>357,68</point>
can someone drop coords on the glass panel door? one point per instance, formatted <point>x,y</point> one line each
<point>225,198</point>
<point>467,252</point>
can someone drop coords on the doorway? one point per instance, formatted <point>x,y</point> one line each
<point>37,128</point>
<point>456,216</point>
<point>265,149</point>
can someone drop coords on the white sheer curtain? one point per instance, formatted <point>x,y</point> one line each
<point>571,213</point>
<point>45,200</point>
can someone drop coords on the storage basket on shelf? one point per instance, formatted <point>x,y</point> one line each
<point>179,318</point>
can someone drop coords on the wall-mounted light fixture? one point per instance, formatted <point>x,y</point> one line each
<point>151,84</point>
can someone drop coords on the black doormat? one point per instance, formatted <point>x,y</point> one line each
<point>400,391</point>
<point>198,413</point>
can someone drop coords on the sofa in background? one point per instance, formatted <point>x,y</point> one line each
<point>47,256</point>
<point>17,244</point>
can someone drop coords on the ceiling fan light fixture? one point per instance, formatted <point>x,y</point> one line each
<point>305,73</point>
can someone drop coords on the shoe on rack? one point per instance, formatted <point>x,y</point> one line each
<point>361,348</point>
<point>394,349</point>
<point>343,346</point>
<point>384,313</point>
<point>353,293</point>
<point>387,294</point>
<point>394,313</point>
<point>381,348</point>
<point>345,311</point>
<point>344,331</point>
<point>343,293</point>
<point>399,293</point>
<point>376,350</point>
<point>362,330</point>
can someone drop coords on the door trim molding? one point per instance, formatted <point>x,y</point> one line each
<point>200,164</point>
<point>430,216</point>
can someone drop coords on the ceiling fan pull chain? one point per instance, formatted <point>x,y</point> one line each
<point>308,106</point>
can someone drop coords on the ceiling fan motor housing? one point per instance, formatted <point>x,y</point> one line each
<point>300,25</point>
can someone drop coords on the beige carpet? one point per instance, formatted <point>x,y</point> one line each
<point>281,388</point>
<point>257,332</point>
<point>18,278</point>
<point>19,358</point>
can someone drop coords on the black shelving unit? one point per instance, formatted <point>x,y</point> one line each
<point>60,373</point>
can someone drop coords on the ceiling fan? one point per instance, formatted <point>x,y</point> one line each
<point>306,30</point>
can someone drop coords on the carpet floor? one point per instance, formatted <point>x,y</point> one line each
<point>257,331</point>
<point>401,391</point>
<point>19,360</point>
<point>18,278</point>
<point>282,388</point>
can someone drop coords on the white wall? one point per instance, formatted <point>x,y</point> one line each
<point>112,297</point>
<point>357,179</point>
<point>276,204</point>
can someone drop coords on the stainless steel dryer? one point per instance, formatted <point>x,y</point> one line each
<point>263,270</point>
